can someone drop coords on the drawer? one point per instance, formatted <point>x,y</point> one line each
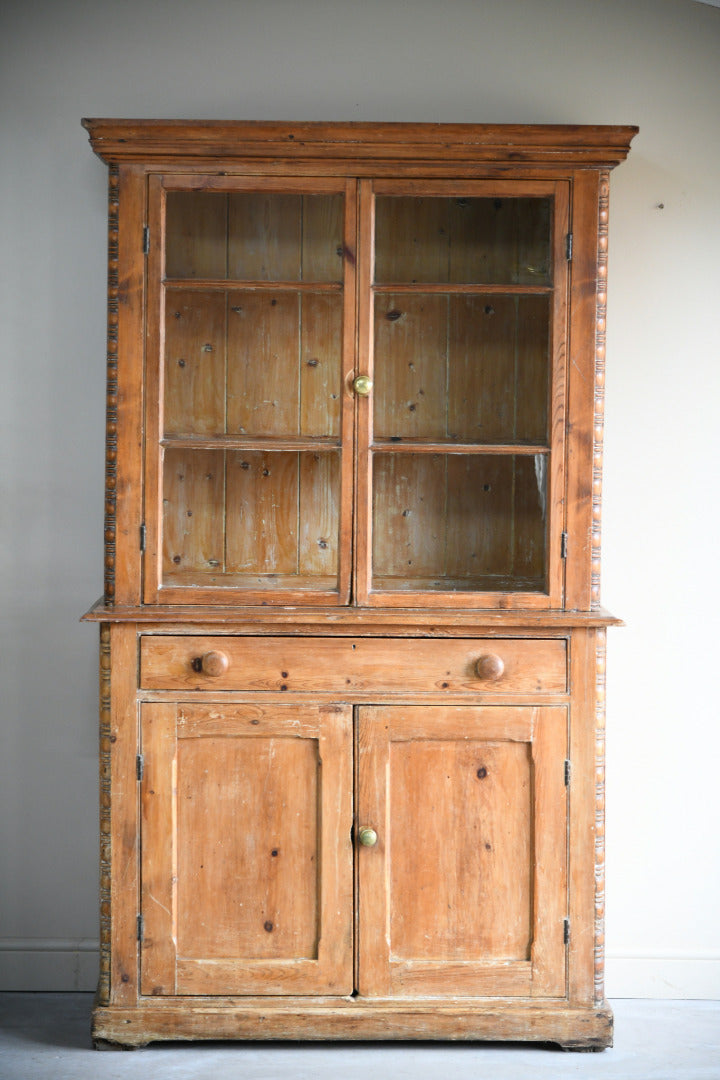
<point>353,665</point>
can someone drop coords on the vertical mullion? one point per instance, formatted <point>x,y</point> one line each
<point>346,540</point>
<point>513,552</point>
<point>363,407</point>
<point>299,401</point>
<point>226,373</point>
<point>448,303</point>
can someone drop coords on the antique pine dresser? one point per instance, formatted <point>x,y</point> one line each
<point>352,651</point>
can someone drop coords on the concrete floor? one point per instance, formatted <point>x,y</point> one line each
<point>45,1037</point>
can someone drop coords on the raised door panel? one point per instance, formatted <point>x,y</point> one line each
<point>246,853</point>
<point>465,892</point>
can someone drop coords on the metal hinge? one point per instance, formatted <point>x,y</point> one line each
<point>146,239</point>
<point>567,774</point>
<point>563,545</point>
<point>566,932</point>
<point>140,927</point>
<point>569,247</point>
<point>139,766</point>
<point>143,536</point>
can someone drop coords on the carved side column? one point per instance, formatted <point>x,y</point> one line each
<point>112,385</point>
<point>599,410</point>
<point>105,840</point>
<point>600,651</point>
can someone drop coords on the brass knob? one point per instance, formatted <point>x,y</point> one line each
<point>490,667</point>
<point>362,385</point>
<point>367,837</point>
<point>214,664</point>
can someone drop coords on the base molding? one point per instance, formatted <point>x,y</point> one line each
<point>573,1028</point>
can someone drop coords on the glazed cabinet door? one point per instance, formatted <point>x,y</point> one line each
<point>464,890</point>
<point>246,849</point>
<point>463,313</point>
<point>249,412</point>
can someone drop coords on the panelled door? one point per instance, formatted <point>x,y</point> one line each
<point>247,876</point>
<point>247,862</point>
<point>463,883</point>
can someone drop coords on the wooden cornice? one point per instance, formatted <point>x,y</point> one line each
<point>157,141</point>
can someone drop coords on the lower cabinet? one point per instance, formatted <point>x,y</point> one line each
<point>386,851</point>
<point>346,837</point>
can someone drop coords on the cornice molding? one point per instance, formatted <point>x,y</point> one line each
<point>583,146</point>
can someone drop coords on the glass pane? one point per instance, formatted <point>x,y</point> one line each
<point>459,522</point>
<point>466,368</point>
<point>254,236</point>
<point>252,363</point>
<point>251,518</point>
<point>463,240</point>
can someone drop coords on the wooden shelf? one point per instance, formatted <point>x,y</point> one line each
<point>400,444</point>
<point>480,289</point>
<point>288,443</point>
<point>234,285</point>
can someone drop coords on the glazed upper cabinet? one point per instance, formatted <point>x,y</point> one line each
<point>380,357</point>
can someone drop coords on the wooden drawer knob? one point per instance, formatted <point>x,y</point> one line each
<point>490,667</point>
<point>213,664</point>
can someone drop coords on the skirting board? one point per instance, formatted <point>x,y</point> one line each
<point>57,964</point>
<point>49,964</point>
<point>691,978</point>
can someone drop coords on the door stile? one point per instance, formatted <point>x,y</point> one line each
<point>155,368</point>
<point>349,366</point>
<point>125,360</point>
<point>549,752</point>
<point>374,977</point>
<point>558,394</point>
<point>158,807</point>
<point>366,248</point>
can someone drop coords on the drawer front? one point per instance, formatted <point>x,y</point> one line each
<point>353,665</point>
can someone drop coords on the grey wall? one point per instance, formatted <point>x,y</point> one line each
<point>651,62</point>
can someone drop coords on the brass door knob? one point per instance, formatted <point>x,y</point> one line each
<point>490,667</point>
<point>214,664</point>
<point>362,385</point>
<point>367,837</point>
